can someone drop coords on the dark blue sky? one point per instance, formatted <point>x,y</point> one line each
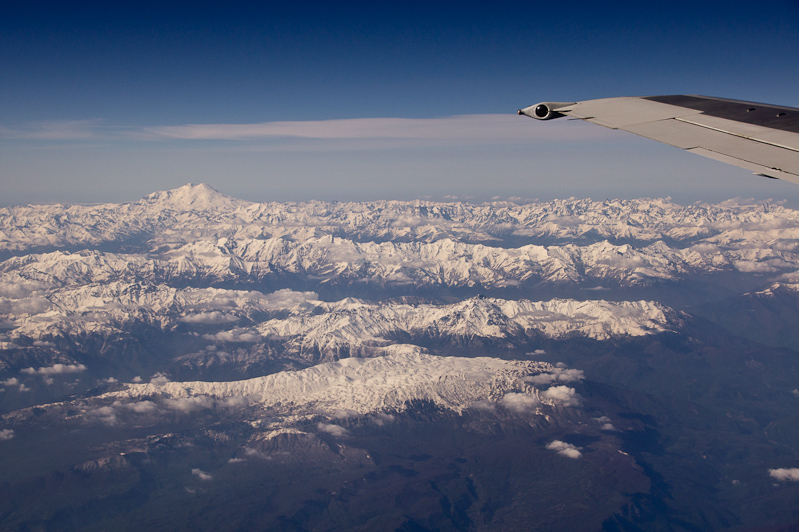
<point>99,70</point>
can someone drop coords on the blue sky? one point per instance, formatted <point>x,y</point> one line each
<point>273,102</point>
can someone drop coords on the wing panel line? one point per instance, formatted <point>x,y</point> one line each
<point>736,134</point>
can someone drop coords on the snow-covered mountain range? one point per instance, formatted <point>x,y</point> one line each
<point>353,387</point>
<point>196,283</point>
<point>303,323</point>
<point>197,212</point>
<point>247,283</point>
<point>197,234</point>
<point>188,332</point>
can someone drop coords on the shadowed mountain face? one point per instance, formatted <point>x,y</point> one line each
<point>194,361</point>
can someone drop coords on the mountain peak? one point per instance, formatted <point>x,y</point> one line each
<point>192,196</point>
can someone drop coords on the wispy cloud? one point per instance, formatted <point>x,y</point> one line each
<point>557,375</point>
<point>208,318</point>
<point>141,407</point>
<point>107,415</point>
<point>202,475</point>
<point>463,127</point>
<point>238,335</point>
<point>189,405</point>
<point>335,430</point>
<point>457,130</point>
<point>57,130</point>
<point>605,421</point>
<point>29,305</point>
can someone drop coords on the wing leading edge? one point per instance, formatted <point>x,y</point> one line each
<point>760,137</point>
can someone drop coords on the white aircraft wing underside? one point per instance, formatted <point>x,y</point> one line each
<point>762,138</point>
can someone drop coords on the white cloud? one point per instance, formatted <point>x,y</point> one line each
<point>189,405</point>
<point>6,434</point>
<point>563,394</point>
<point>13,381</point>
<point>557,375</point>
<point>20,288</point>
<point>29,305</point>
<point>754,267</point>
<point>343,413</point>
<point>57,369</point>
<point>565,449</point>
<point>236,460</point>
<point>785,474</point>
<point>209,318</point>
<point>381,419</point>
<point>250,452</point>
<point>202,475</point>
<point>137,379</point>
<point>42,343</point>
<point>110,380</point>
<point>519,402</point>
<point>287,298</point>
<point>605,421</point>
<point>335,430</point>
<point>106,415</point>
<point>142,407</point>
<point>159,379</point>
<point>235,401</point>
<point>234,335</point>
<point>484,405</point>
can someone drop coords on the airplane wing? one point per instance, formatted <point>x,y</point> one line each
<point>760,137</point>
